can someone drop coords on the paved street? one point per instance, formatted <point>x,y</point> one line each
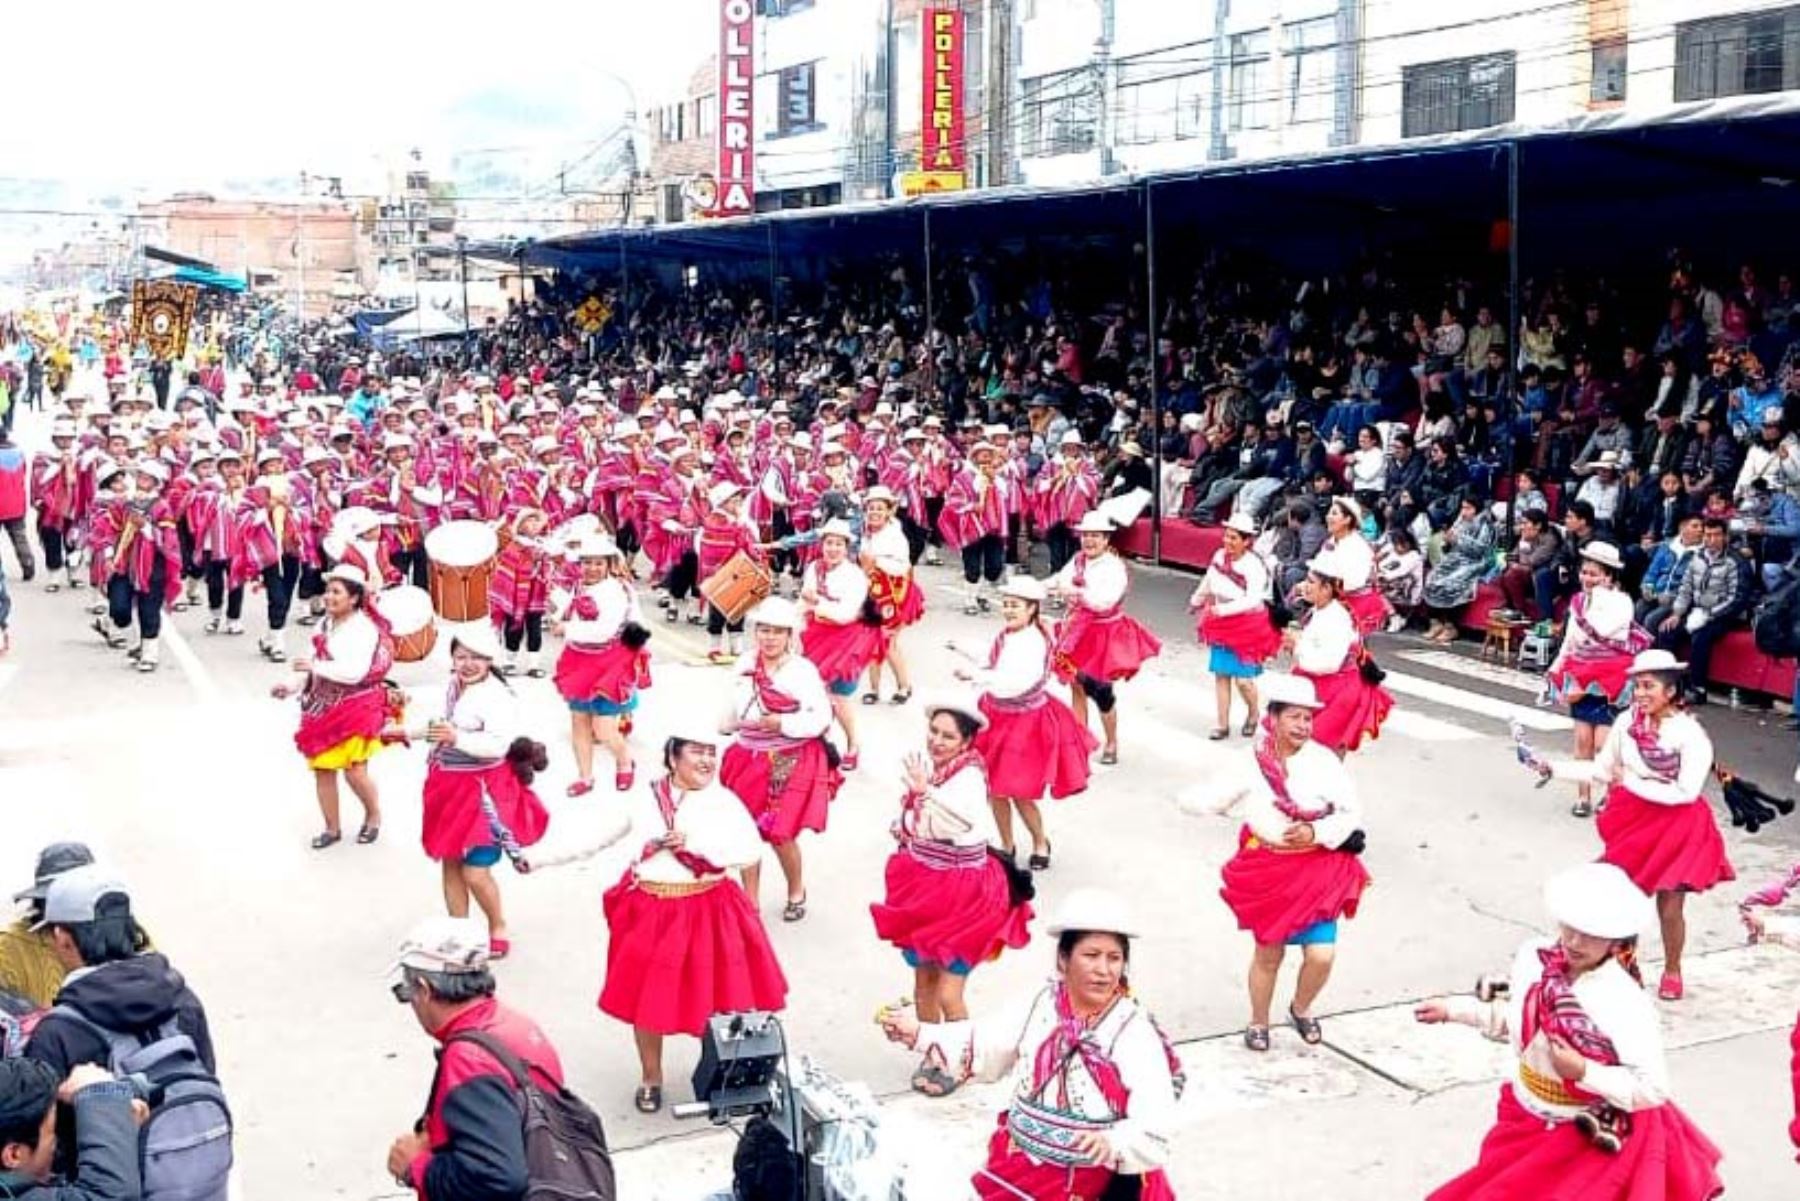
<point>187,780</point>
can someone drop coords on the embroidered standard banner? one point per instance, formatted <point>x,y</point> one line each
<point>161,313</point>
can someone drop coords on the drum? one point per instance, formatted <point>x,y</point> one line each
<point>462,555</point>
<point>737,587</point>
<point>407,611</point>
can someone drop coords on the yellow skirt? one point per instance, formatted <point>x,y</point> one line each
<point>348,753</point>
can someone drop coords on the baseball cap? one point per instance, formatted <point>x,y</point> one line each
<point>448,945</point>
<point>53,861</point>
<point>74,897</point>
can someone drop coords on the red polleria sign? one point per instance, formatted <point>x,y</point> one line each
<point>941,128</point>
<point>737,109</point>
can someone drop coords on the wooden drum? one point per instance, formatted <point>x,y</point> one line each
<point>737,587</point>
<point>462,556</point>
<point>408,614</point>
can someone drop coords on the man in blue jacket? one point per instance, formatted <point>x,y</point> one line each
<point>106,1134</point>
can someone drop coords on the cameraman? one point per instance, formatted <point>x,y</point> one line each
<point>106,1134</point>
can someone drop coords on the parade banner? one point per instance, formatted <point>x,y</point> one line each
<point>942,156</point>
<point>162,311</point>
<point>737,109</point>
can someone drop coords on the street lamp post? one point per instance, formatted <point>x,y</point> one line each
<point>462,271</point>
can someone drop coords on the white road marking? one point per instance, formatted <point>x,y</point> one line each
<point>205,687</point>
<point>1542,720</point>
<point>1461,665</point>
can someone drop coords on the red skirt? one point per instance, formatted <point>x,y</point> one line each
<point>840,652</point>
<point>801,778</point>
<point>453,821</point>
<point>1106,650</point>
<point>1794,1066</point>
<point>1368,609</point>
<point>1251,636</point>
<point>1008,1175</point>
<point>1353,708</point>
<point>360,715</point>
<point>1603,677</point>
<point>674,962</point>
<point>1276,894</point>
<point>905,602</point>
<point>1034,751</point>
<point>612,672</point>
<point>1665,1158</point>
<point>950,916</point>
<point>1663,848</point>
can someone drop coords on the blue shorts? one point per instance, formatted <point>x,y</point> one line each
<point>958,968</point>
<point>1318,934</point>
<point>1223,661</point>
<point>482,856</point>
<point>601,707</point>
<point>842,687</point>
<point>1594,710</point>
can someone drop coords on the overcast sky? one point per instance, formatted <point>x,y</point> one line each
<point>119,94</point>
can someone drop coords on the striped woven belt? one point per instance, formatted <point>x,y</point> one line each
<point>668,891</point>
<point>1551,1090</point>
<point>1047,1134</point>
<point>946,856</point>
<point>1256,844</point>
<point>1023,703</point>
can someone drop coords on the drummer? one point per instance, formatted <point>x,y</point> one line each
<point>840,643</point>
<point>600,666</point>
<point>725,534</point>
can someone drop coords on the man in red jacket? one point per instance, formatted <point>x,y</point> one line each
<point>13,469</point>
<point>471,1144</point>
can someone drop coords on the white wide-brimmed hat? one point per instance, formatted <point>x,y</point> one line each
<point>1243,523</point>
<point>721,492</point>
<point>1282,688</point>
<point>882,494</point>
<point>349,574</point>
<point>962,703</point>
<point>1655,660</point>
<point>1094,910</point>
<point>1024,587</point>
<point>1603,553</point>
<point>837,527</point>
<point>1599,899</point>
<point>775,611</point>
<point>478,638</point>
<point>1095,522</point>
<point>596,545</point>
<point>1326,564</point>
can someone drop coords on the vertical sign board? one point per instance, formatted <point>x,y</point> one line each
<point>941,149</point>
<point>737,109</point>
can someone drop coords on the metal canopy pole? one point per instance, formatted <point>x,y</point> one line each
<point>1156,468</point>
<point>774,321</point>
<point>930,282</point>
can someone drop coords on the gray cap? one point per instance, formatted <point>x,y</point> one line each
<point>74,897</point>
<point>53,861</point>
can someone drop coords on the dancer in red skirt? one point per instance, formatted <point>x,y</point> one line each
<point>838,640</point>
<point>949,904</point>
<point>1329,651</point>
<point>1586,1115</point>
<point>899,600</point>
<point>1657,824</point>
<point>684,942</point>
<point>1345,543</point>
<point>1233,602</point>
<point>603,660</point>
<point>473,755</point>
<point>343,702</point>
<point>1097,644</point>
<point>780,764</point>
<point>1782,930</point>
<point>1033,743</point>
<point>1094,1082</point>
<point>1600,638</point>
<point>1296,872</point>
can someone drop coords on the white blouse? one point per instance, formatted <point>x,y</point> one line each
<point>1008,1042</point>
<point>957,811</point>
<point>1104,583</point>
<point>1615,1002</point>
<point>848,586</point>
<point>1608,610</point>
<point>796,677</point>
<point>618,605</point>
<point>888,548</point>
<point>718,829</point>
<point>1355,558</point>
<point>1619,756</point>
<point>485,718</point>
<point>1316,780</point>
<point>1228,598</point>
<point>351,645</point>
<point>1325,641</point>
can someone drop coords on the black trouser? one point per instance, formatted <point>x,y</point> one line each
<point>52,538</point>
<point>15,529</point>
<point>191,567</point>
<point>216,595</point>
<point>413,566</point>
<point>782,526</point>
<point>934,509</point>
<point>1063,544</point>
<point>278,580</point>
<point>716,623</point>
<point>1700,646</point>
<point>627,539</point>
<point>684,578</point>
<point>1098,691</point>
<point>917,536</point>
<point>984,558</point>
<point>312,583</point>
<point>529,630</point>
<point>1015,535</point>
<point>122,600</point>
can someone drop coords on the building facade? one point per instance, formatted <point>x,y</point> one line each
<point>304,248</point>
<point>411,228</point>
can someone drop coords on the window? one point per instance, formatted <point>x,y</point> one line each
<point>1251,82</point>
<point>1738,56</point>
<point>1311,60</point>
<point>781,8</point>
<point>1060,113</point>
<point>1609,73</point>
<point>796,99</point>
<point>417,181</point>
<point>1460,93</point>
<point>674,207</point>
<point>706,116</point>
<point>1163,107</point>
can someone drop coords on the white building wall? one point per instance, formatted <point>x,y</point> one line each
<point>1650,54</point>
<point>830,34</point>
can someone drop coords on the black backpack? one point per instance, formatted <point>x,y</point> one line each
<point>1775,623</point>
<point>565,1145</point>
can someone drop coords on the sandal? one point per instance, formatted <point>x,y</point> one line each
<point>1256,1038</point>
<point>849,761</point>
<point>793,911</point>
<point>1311,1033</point>
<point>1670,988</point>
<point>1039,863</point>
<point>329,838</point>
<point>932,1081</point>
<point>1109,756</point>
<point>1249,730</point>
<point>1219,734</point>
<point>901,697</point>
<point>499,948</point>
<point>648,1098</point>
<point>622,780</point>
<point>579,788</point>
<point>1582,809</point>
<point>367,835</point>
<point>869,698</point>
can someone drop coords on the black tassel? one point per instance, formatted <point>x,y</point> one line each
<point>1752,807</point>
<point>527,758</point>
<point>634,635</point>
<point>1371,670</point>
<point>1356,844</point>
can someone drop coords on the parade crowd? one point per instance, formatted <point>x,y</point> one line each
<point>776,482</point>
